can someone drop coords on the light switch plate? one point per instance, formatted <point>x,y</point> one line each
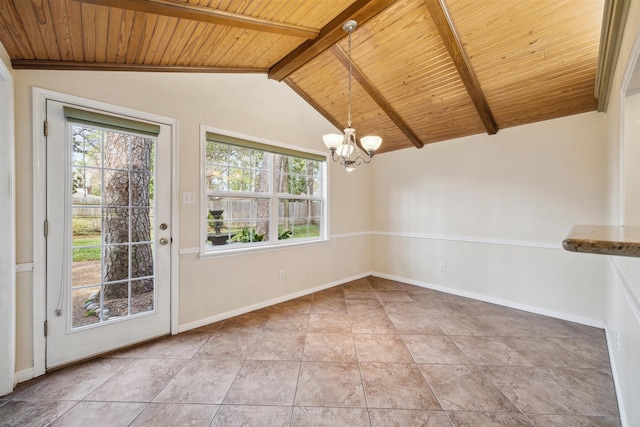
<point>188,198</point>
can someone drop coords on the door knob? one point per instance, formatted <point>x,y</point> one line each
<point>164,241</point>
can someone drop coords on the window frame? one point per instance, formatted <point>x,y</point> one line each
<point>208,251</point>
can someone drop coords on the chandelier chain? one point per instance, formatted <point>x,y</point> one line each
<point>349,109</point>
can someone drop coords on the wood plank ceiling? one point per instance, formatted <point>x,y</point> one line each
<point>424,70</point>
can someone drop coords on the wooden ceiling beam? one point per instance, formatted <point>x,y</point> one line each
<point>313,103</point>
<point>360,11</point>
<point>452,42</point>
<point>34,64</point>
<point>195,12</point>
<point>375,94</point>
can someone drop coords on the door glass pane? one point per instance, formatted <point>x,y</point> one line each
<point>112,259</point>
<point>141,296</point>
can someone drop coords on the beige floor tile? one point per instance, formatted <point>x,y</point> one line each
<point>593,386</point>
<point>329,348</point>
<point>278,346</point>
<point>488,419</point>
<point>228,346</point>
<point>329,323</point>
<point>392,295</point>
<point>252,416</point>
<point>370,352</point>
<point>477,308</point>
<point>265,383</point>
<point>72,383</point>
<point>591,350</point>
<point>535,392</point>
<point>502,326</point>
<point>300,305</point>
<point>465,388</point>
<point>434,349</point>
<point>372,324</point>
<point>139,381</point>
<point>365,307</point>
<point>358,284</point>
<point>462,325</point>
<point>408,417</point>
<point>175,415</point>
<point>544,352</point>
<point>333,292</point>
<point>329,305</point>
<point>410,324</point>
<point>381,348</point>
<point>213,379</point>
<point>360,294</point>
<point>378,283</point>
<point>574,421</point>
<point>249,322</point>
<point>490,351</point>
<point>403,307</point>
<point>112,414</point>
<point>329,417</point>
<point>287,322</point>
<point>37,413</point>
<point>396,386</point>
<point>180,346</point>
<point>330,384</point>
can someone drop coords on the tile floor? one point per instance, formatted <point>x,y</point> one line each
<point>372,352</point>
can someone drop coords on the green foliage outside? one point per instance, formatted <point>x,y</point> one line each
<point>87,254</point>
<point>86,226</point>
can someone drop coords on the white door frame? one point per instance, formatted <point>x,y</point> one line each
<point>39,210</point>
<point>7,229</point>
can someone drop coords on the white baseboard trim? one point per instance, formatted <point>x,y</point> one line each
<point>499,301</point>
<point>218,317</point>
<point>616,383</point>
<point>24,375</point>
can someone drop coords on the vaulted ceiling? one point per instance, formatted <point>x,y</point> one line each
<point>424,70</point>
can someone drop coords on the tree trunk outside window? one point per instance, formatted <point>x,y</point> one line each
<point>126,196</point>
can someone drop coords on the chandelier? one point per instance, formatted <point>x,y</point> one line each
<point>344,149</point>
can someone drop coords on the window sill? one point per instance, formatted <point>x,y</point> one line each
<point>221,253</point>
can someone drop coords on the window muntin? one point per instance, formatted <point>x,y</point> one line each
<point>260,195</point>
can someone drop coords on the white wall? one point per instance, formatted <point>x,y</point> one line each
<point>622,313</point>
<point>7,228</point>
<point>495,210</point>
<point>244,103</point>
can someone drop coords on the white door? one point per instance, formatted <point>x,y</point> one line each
<point>108,241</point>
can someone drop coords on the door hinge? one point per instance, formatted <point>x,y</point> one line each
<point>46,327</point>
<point>46,128</point>
<point>46,228</point>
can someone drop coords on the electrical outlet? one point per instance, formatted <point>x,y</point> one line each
<point>443,267</point>
<point>281,274</point>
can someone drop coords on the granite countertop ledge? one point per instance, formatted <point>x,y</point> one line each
<point>604,240</point>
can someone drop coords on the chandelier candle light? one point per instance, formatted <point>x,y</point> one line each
<point>344,148</point>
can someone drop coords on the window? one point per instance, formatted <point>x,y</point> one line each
<point>258,194</point>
